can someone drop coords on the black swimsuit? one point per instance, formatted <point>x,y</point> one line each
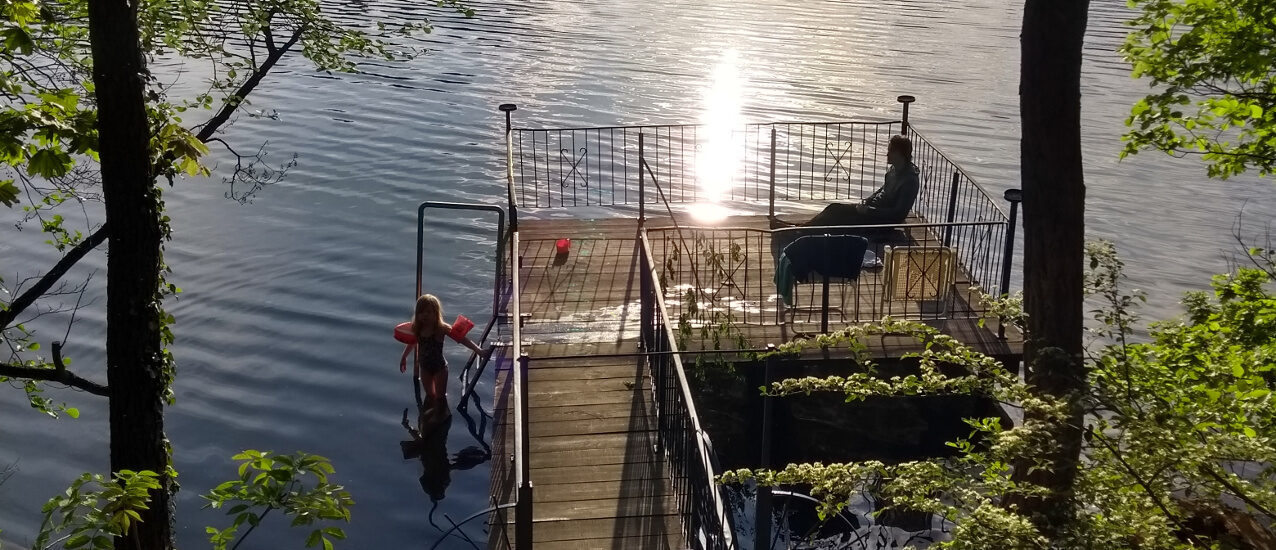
<point>430,355</point>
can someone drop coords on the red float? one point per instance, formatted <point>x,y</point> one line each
<point>460,327</point>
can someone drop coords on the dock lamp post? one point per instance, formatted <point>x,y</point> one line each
<point>905,99</point>
<point>508,109</point>
<point>1014,197</point>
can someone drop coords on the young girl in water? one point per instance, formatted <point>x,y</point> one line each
<point>429,331</point>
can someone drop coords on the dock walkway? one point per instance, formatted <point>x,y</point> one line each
<point>599,481</point>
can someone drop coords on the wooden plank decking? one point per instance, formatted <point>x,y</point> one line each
<point>591,294</point>
<point>599,483</point>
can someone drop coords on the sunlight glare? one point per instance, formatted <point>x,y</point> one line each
<point>719,159</point>
<point>707,213</point>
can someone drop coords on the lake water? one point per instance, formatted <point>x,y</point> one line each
<point>284,326</point>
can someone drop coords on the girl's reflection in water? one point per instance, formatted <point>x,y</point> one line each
<point>429,444</point>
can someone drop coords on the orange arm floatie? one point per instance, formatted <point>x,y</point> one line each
<point>403,333</point>
<point>460,327</point>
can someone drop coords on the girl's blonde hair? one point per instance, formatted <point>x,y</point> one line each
<point>427,313</point>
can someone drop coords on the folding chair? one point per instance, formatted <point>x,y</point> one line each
<point>921,274</point>
<point>825,258</point>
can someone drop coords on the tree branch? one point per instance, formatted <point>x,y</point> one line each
<point>232,102</point>
<point>1145,485</point>
<point>269,33</point>
<point>21,303</point>
<point>1236,491</point>
<point>56,374</point>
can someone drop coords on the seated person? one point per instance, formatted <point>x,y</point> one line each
<point>890,204</point>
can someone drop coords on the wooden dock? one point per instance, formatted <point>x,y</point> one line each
<point>598,480</point>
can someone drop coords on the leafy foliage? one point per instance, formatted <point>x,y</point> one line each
<point>270,482</point>
<point>48,134</point>
<point>1180,443</point>
<point>94,510</point>
<point>707,317</point>
<point>1187,418</point>
<point>1214,68</point>
<point>964,489</point>
<point>48,161</point>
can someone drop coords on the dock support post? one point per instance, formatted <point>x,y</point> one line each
<point>952,208</point>
<point>1015,196</point>
<point>523,511</point>
<point>642,182</point>
<point>905,99</point>
<point>771,199</point>
<point>509,108</point>
<point>762,512</point>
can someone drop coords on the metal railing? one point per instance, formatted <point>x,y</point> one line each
<point>783,161</point>
<point>948,194</point>
<point>500,276</point>
<point>758,163</point>
<point>794,161</point>
<point>705,520</point>
<point>714,275</point>
<point>503,282</point>
<point>512,479</point>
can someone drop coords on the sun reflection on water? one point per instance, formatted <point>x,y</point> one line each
<point>718,160</point>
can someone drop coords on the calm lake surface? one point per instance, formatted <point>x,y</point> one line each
<point>284,326</point>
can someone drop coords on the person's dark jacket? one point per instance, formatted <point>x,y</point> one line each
<point>892,201</point>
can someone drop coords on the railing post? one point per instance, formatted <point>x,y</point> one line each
<point>647,301</point>
<point>762,512</point>
<point>509,108</point>
<point>642,181</point>
<point>952,208</point>
<point>905,99</point>
<point>523,518</point>
<point>523,362</point>
<point>771,199</point>
<point>660,384</point>
<point>1015,196</point>
<point>523,512</point>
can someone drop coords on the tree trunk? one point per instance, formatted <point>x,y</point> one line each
<point>133,350</point>
<point>1054,236</point>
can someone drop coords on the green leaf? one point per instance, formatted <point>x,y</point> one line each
<point>18,40</point>
<point>49,163</point>
<point>65,98</point>
<point>8,193</point>
<point>73,413</point>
